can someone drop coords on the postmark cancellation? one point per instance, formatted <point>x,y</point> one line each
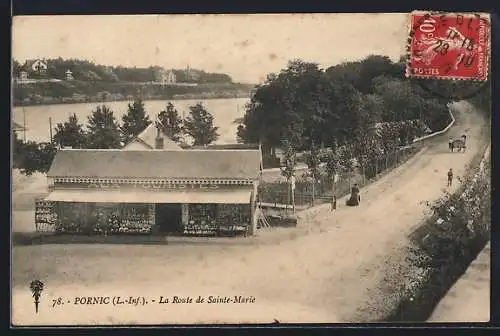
<point>448,46</point>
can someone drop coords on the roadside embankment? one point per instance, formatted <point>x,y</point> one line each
<point>443,247</point>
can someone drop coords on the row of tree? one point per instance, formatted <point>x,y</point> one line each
<point>103,131</point>
<point>348,116</point>
<point>88,71</point>
<point>305,104</point>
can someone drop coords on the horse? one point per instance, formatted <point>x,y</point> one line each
<point>460,144</point>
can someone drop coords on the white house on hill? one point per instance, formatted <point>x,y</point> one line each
<point>165,77</point>
<point>169,77</point>
<point>39,66</point>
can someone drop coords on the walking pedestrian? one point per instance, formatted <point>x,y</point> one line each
<point>450,177</point>
<point>450,144</point>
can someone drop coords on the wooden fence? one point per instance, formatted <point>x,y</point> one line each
<point>279,192</point>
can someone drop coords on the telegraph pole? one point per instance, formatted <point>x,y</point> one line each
<point>50,131</point>
<point>24,124</point>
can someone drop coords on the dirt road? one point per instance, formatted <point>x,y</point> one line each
<point>330,269</point>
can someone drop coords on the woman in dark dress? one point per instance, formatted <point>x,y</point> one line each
<point>355,198</point>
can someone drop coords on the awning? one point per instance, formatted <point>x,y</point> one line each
<point>116,196</point>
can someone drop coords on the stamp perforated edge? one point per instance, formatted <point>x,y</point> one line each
<point>409,40</point>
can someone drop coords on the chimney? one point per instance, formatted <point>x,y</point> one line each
<point>159,141</point>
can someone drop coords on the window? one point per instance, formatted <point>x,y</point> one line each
<point>233,217</point>
<point>202,220</point>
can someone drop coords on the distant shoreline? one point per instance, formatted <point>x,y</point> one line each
<point>91,101</point>
<point>84,92</point>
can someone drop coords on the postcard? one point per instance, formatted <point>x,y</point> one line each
<point>250,169</point>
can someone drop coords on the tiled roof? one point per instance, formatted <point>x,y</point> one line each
<point>148,138</point>
<point>220,164</point>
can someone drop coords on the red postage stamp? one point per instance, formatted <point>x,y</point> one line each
<point>449,45</point>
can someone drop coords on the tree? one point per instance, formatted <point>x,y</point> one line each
<point>134,121</point>
<point>367,151</point>
<point>289,164</point>
<point>400,100</point>
<point>313,162</point>
<point>172,123</point>
<point>103,129</point>
<point>16,68</point>
<point>305,104</point>
<point>17,150</point>
<point>339,161</point>
<point>389,134</point>
<point>347,72</point>
<point>374,104</point>
<point>332,166</point>
<point>70,133</point>
<point>374,66</point>
<point>354,118</point>
<point>37,157</point>
<point>287,106</point>
<point>200,125</point>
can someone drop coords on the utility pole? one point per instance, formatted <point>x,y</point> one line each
<point>24,124</point>
<point>50,130</point>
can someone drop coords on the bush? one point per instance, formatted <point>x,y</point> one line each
<point>33,157</point>
<point>444,247</point>
<point>458,220</point>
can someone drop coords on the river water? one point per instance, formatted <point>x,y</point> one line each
<point>225,111</point>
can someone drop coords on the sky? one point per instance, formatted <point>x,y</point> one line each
<point>247,47</point>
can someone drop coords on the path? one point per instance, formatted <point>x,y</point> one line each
<point>326,270</point>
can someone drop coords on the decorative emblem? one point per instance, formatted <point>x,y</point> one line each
<point>36,287</point>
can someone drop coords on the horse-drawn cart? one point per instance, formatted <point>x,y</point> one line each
<point>459,144</point>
